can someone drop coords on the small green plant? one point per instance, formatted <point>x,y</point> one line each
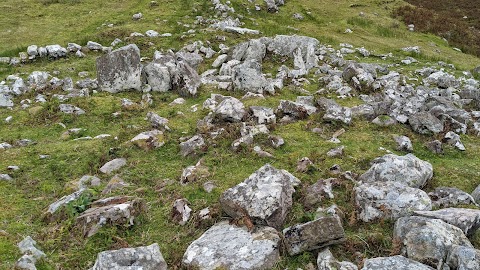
<point>79,205</point>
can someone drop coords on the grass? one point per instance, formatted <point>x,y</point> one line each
<point>154,175</point>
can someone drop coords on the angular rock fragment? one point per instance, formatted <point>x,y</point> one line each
<point>463,258</point>
<point>113,165</point>
<point>231,247</point>
<point>265,197</point>
<point>120,210</point>
<point>407,169</point>
<point>181,211</point>
<point>326,261</point>
<point>230,109</point>
<point>468,220</point>
<point>315,234</point>
<point>334,112</point>
<point>149,139</point>
<point>403,143</point>
<point>120,70</point>
<point>450,197</point>
<point>145,258</point>
<point>192,145</point>
<point>395,262</point>
<point>425,123</point>
<point>70,109</point>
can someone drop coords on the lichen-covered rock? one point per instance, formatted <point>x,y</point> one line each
<point>390,200</point>
<point>120,210</point>
<point>70,109</point>
<point>149,139</point>
<point>5,101</point>
<point>120,70</point>
<point>113,165</point>
<point>317,192</point>
<point>315,234</point>
<point>158,77</point>
<point>265,197</point>
<point>463,258</point>
<point>230,109</point>
<point>407,169</point>
<point>333,111</point>
<point>425,123</point>
<point>450,197</point>
<point>192,145</point>
<point>475,193</point>
<point>248,77</point>
<point>158,122</point>
<point>468,220</point>
<point>403,143</point>
<point>231,247</point>
<point>145,258</point>
<point>326,261</point>
<point>427,240</point>
<point>301,108</point>
<point>394,263</point>
<point>286,45</point>
<point>263,115</point>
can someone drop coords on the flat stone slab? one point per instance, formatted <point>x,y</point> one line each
<point>468,220</point>
<point>226,246</point>
<point>144,258</point>
<point>394,263</point>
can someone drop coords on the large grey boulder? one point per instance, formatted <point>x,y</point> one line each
<point>427,240</point>
<point>254,49</point>
<point>333,111</point>
<point>230,109</point>
<point>5,101</point>
<point>158,77</point>
<point>468,220</point>
<point>394,263</point>
<point>145,258</point>
<point>450,197</point>
<point>425,123</point>
<point>407,169</point>
<point>120,70</point>
<point>120,210</point>
<point>230,247</point>
<point>248,77</point>
<point>390,200</point>
<point>56,51</point>
<point>286,45</point>
<point>315,234</point>
<point>463,258</point>
<point>265,197</point>
<point>326,261</point>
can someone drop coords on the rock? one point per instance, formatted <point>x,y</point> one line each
<point>230,110</point>
<point>149,140</point>
<point>146,258</point>
<point>395,262</point>
<point>65,200</point>
<point>113,165</point>
<point>312,235</point>
<point>450,197</point>
<point>435,146</point>
<point>137,16</point>
<point>194,173</point>
<point>157,122</point>
<point>403,143</point>
<point>304,164</point>
<point>181,211</point>
<point>94,46</point>
<point>276,141</point>
<point>26,262</point>
<point>5,177</point>
<point>301,108</point>
<point>315,193</point>
<point>442,80</point>
<point>336,152</point>
<point>115,183</point>
<point>27,246</point>
<point>334,112</point>
<point>427,240</point>
<point>70,109</point>
<point>384,121</point>
<point>192,146</point>
<point>248,77</point>
<point>453,139</point>
<point>73,47</point>
<point>56,51</point>
<point>425,123</point>
<point>231,247</point>
<point>265,197</point>
<point>120,70</point>
<point>326,261</point>
<point>220,60</point>
<point>152,33</point>
<point>120,210</point>
<point>390,200</point>
<point>158,77</point>
<point>177,101</point>
<point>38,79</point>
<point>261,153</point>
<point>407,169</point>
<point>263,115</point>
<point>286,45</point>
<point>32,50</point>
<point>464,258</point>
<point>468,220</point>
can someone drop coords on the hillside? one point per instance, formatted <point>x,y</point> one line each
<point>362,121</point>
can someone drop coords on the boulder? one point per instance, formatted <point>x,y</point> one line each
<point>70,109</point>
<point>427,240</point>
<point>5,101</point>
<point>192,145</point>
<point>468,220</point>
<point>326,261</point>
<point>450,197</point>
<point>463,258</point>
<point>230,109</point>
<point>56,51</point>
<point>403,143</point>
<point>317,192</point>
<point>113,165</point>
<point>248,77</point>
<point>425,123</point>
<point>394,263</point>
<point>286,45</point>
<point>263,115</point>
<point>475,193</point>
<point>301,108</point>
<point>390,200</point>
<point>120,70</point>
<point>145,258</point>
<point>315,234</point>
<point>120,210</point>
<point>230,247</point>
<point>333,111</point>
<point>407,169</point>
<point>149,139</point>
<point>158,77</point>
<point>265,197</point>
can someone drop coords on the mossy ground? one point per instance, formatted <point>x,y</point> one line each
<point>42,181</point>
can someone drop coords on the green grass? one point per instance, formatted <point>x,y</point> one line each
<point>154,175</point>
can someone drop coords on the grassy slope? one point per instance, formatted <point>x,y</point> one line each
<point>40,182</point>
